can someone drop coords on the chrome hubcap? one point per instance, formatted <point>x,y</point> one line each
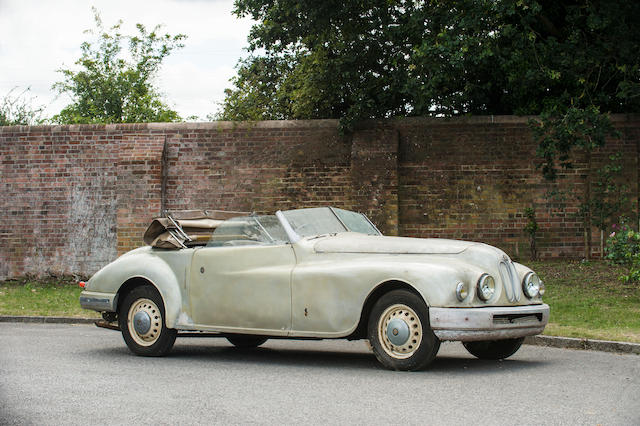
<point>144,322</point>
<point>141,322</point>
<point>399,331</point>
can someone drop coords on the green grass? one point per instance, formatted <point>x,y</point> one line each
<point>50,297</point>
<point>587,300</point>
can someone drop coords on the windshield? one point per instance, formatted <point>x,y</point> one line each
<point>249,230</point>
<point>328,220</point>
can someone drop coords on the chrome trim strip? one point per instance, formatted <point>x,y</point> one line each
<point>371,223</point>
<point>339,220</point>
<point>510,281</point>
<point>515,284</point>
<point>503,269</point>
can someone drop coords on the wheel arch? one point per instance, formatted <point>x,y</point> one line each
<point>129,285</point>
<point>172,310</point>
<point>380,290</point>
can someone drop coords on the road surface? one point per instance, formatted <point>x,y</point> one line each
<point>80,374</point>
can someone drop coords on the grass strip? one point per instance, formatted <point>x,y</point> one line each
<point>587,300</point>
<point>47,297</point>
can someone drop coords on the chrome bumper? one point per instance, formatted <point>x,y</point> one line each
<point>469,324</point>
<point>103,302</point>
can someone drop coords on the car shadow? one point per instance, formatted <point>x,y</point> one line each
<point>266,356</point>
<point>263,357</point>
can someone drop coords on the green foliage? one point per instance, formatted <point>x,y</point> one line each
<point>111,87</point>
<point>531,228</point>
<point>559,132</point>
<point>623,244</point>
<point>623,248</point>
<point>609,195</point>
<point>385,58</point>
<point>19,110</point>
<point>258,86</point>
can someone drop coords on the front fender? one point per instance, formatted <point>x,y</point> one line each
<point>166,277</point>
<point>330,293</point>
<point>436,281</point>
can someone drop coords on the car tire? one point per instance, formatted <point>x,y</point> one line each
<point>494,349</point>
<point>142,321</point>
<point>399,332</point>
<point>246,341</point>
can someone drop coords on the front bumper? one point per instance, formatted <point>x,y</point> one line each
<point>102,302</point>
<point>491,323</point>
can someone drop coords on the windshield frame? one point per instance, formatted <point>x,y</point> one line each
<point>294,237</point>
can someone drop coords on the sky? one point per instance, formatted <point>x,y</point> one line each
<point>37,37</point>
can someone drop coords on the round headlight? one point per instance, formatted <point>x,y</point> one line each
<point>462,290</point>
<point>531,285</point>
<point>486,287</point>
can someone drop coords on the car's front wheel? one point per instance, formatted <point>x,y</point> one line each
<point>494,349</point>
<point>141,320</point>
<point>399,332</point>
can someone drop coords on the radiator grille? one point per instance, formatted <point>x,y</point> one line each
<point>517,318</point>
<point>510,280</point>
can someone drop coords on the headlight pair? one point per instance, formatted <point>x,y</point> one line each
<point>532,286</point>
<point>486,287</point>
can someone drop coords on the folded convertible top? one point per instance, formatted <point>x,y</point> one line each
<point>183,228</point>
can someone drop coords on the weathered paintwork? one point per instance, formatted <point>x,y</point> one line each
<point>318,286</point>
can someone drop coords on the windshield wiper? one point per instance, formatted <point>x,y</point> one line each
<point>331,234</point>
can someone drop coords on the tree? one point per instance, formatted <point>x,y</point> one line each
<point>110,87</point>
<point>385,58</point>
<point>570,62</point>
<point>258,84</point>
<point>19,110</point>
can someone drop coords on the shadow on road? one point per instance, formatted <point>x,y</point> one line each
<point>264,357</point>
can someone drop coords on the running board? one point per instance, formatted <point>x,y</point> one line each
<point>114,326</point>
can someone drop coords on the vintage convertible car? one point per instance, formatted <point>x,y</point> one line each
<point>317,273</point>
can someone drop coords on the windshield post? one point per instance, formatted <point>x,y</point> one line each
<point>293,236</point>
<point>264,230</point>
<point>338,217</point>
<point>371,223</point>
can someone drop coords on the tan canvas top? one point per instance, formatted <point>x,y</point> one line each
<point>186,227</point>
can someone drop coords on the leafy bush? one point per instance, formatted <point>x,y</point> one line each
<point>623,247</point>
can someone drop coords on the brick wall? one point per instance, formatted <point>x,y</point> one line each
<point>74,197</point>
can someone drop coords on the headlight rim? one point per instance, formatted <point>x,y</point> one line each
<point>525,285</point>
<point>481,295</point>
<point>460,288</point>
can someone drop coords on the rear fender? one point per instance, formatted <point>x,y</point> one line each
<point>142,266</point>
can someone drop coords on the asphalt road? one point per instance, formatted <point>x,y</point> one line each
<point>79,374</point>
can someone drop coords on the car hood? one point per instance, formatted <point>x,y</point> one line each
<point>360,243</point>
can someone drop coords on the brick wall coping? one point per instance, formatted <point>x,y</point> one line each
<point>292,124</point>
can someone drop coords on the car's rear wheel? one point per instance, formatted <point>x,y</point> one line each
<point>141,320</point>
<point>494,349</point>
<point>399,332</point>
<point>246,341</point>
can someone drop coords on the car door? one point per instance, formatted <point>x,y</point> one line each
<point>242,285</point>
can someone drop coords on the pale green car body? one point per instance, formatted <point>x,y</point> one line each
<point>323,286</point>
